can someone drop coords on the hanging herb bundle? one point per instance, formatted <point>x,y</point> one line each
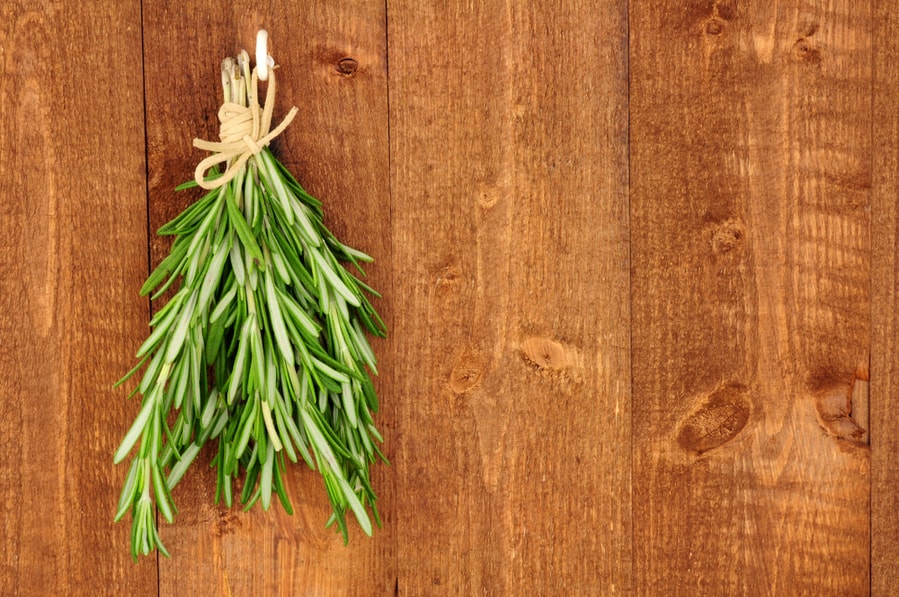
<point>262,347</point>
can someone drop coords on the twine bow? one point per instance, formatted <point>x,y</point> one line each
<point>243,133</point>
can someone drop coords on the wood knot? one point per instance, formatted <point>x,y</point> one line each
<point>467,372</point>
<point>716,23</point>
<point>806,51</point>
<point>228,523</point>
<point>553,361</point>
<point>447,277</point>
<point>726,236</point>
<point>714,26</point>
<point>722,415</point>
<point>546,353</point>
<point>834,409</point>
<point>487,195</point>
<point>347,66</point>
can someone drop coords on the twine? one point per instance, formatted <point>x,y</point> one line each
<point>244,132</point>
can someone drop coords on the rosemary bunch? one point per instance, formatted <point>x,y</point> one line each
<point>263,346</point>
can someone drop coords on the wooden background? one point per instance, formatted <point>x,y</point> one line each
<point>639,265</point>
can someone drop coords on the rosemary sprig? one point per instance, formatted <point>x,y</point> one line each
<point>262,348</point>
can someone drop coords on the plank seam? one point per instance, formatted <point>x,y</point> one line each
<point>390,201</point>
<point>143,74</point>
<point>630,293</point>
<point>871,286</point>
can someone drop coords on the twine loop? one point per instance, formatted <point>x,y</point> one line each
<point>244,132</point>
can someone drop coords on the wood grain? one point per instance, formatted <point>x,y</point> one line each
<point>885,292</point>
<point>508,139</point>
<point>72,256</point>
<point>640,271</point>
<point>750,187</point>
<point>333,59</point>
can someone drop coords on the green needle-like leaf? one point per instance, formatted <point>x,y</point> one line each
<point>262,347</point>
<point>356,506</point>
<point>243,230</point>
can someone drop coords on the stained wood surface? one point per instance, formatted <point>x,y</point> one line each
<point>639,265</point>
<point>508,179</point>
<point>334,59</point>
<point>750,194</point>
<point>72,256</point>
<point>885,293</point>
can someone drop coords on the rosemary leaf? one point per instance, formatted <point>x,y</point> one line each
<point>262,347</point>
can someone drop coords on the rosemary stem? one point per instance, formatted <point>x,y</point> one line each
<point>262,347</point>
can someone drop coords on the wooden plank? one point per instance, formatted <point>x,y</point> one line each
<point>885,289</point>
<point>72,256</point>
<point>750,174</point>
<point>509,184</point>
<point>334,70</point>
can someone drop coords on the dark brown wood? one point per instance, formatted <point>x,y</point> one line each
<point>640,273</point>
<point>750,186</point>
<point>508,152</point>
<point>885,292</point>
<point>333,59</point>
<point>72,257</point>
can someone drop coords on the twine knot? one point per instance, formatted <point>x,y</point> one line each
<point>243,131</point>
